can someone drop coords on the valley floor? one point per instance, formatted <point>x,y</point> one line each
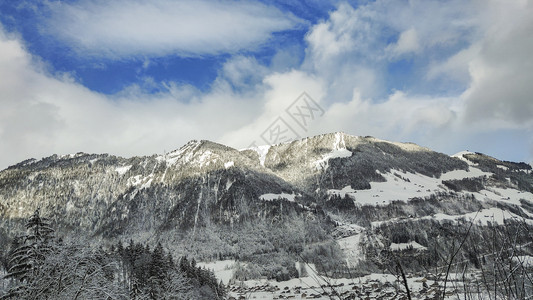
<point>373,286</point>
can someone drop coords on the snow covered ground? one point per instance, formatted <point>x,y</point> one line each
<point>223,269</point>
<point>270,197</point>
<point>314,286</point>
<point>403,246</point>
<point>339,151</point>
<point>404,186</point>
<point>372,286</point>
<point>351,246</point>
<point>525,260</point>
<point>491,215</point>
<point>123,170</point>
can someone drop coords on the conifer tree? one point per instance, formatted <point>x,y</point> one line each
<point>32,248</point>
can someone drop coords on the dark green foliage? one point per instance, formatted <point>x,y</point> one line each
<point>244,241</point>
<point>518,173</point>
<point>443,238</point>
<point>202,278</point>
<point>523,181</point>
<point>267,248</point>
<point>340,203</point>
<point>277,266</point>
<point>527,205</point>
<point>149,273</point>
<point>369,159</point>
<point>466,184</point>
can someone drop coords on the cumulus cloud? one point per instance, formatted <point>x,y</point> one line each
<point>366,31</point>
<point>407,43</point>
<point>397,117</point>
<point>361,42</point>
<point>455,67</point>
<point>484,47</point>
<point>123,28</point>
<point>280,91</point>
<point>480,50</point>
<point>500,92</point>
<point>43,114</point>
<point>243,71</point>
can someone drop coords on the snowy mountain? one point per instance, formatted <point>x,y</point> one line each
<point>350,197</point>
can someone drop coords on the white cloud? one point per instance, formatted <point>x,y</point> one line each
<point>361,42</point>
<point>407,42</point>
<point>365,32</point>
<point>243,71</point>
<point>481,47</point>
<point>334,36</point>
<point>281,90</point>
<point>122,28</point>
<point>484,46</point>
<point>398,117</point>
<point>42,114</point>
<point>456,66</point>
<point>500,92</point>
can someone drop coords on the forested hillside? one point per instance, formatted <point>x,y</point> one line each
<point>336,205</point>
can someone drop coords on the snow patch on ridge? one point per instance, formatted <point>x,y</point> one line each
<point>204,159</point>
<point>185,153</point>
<point>461,174</point>
<point>404,186</point>
<point>262,151</point>
<point>339,151</point>
<point>142,182</point>
<point>460,155</point>
<point>270,197</point>
<point>407,146</point>
<point>404,246</point>
<point>135,180</point>
<point>122,170</point>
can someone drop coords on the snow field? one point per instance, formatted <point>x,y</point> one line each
<point>404,246</point>
<point>223,269</point>
<point>270,196</point>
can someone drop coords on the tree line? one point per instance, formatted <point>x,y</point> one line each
<point>39,265</point>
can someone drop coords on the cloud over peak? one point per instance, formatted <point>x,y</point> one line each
<point>449,76</point>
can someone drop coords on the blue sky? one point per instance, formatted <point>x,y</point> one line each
<point>143,77</point>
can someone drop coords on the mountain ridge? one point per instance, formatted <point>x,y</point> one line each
<point>243,202</point>
<point>404,145</point>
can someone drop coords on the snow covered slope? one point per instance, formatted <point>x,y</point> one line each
<point>361,192</point>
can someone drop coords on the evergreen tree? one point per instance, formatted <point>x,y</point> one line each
<point>157,272</point>
<point>30,249</point>
<point>158,268</point>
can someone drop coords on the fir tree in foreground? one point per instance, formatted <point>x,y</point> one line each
<point>43,267</point>
<point>29,250</point>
